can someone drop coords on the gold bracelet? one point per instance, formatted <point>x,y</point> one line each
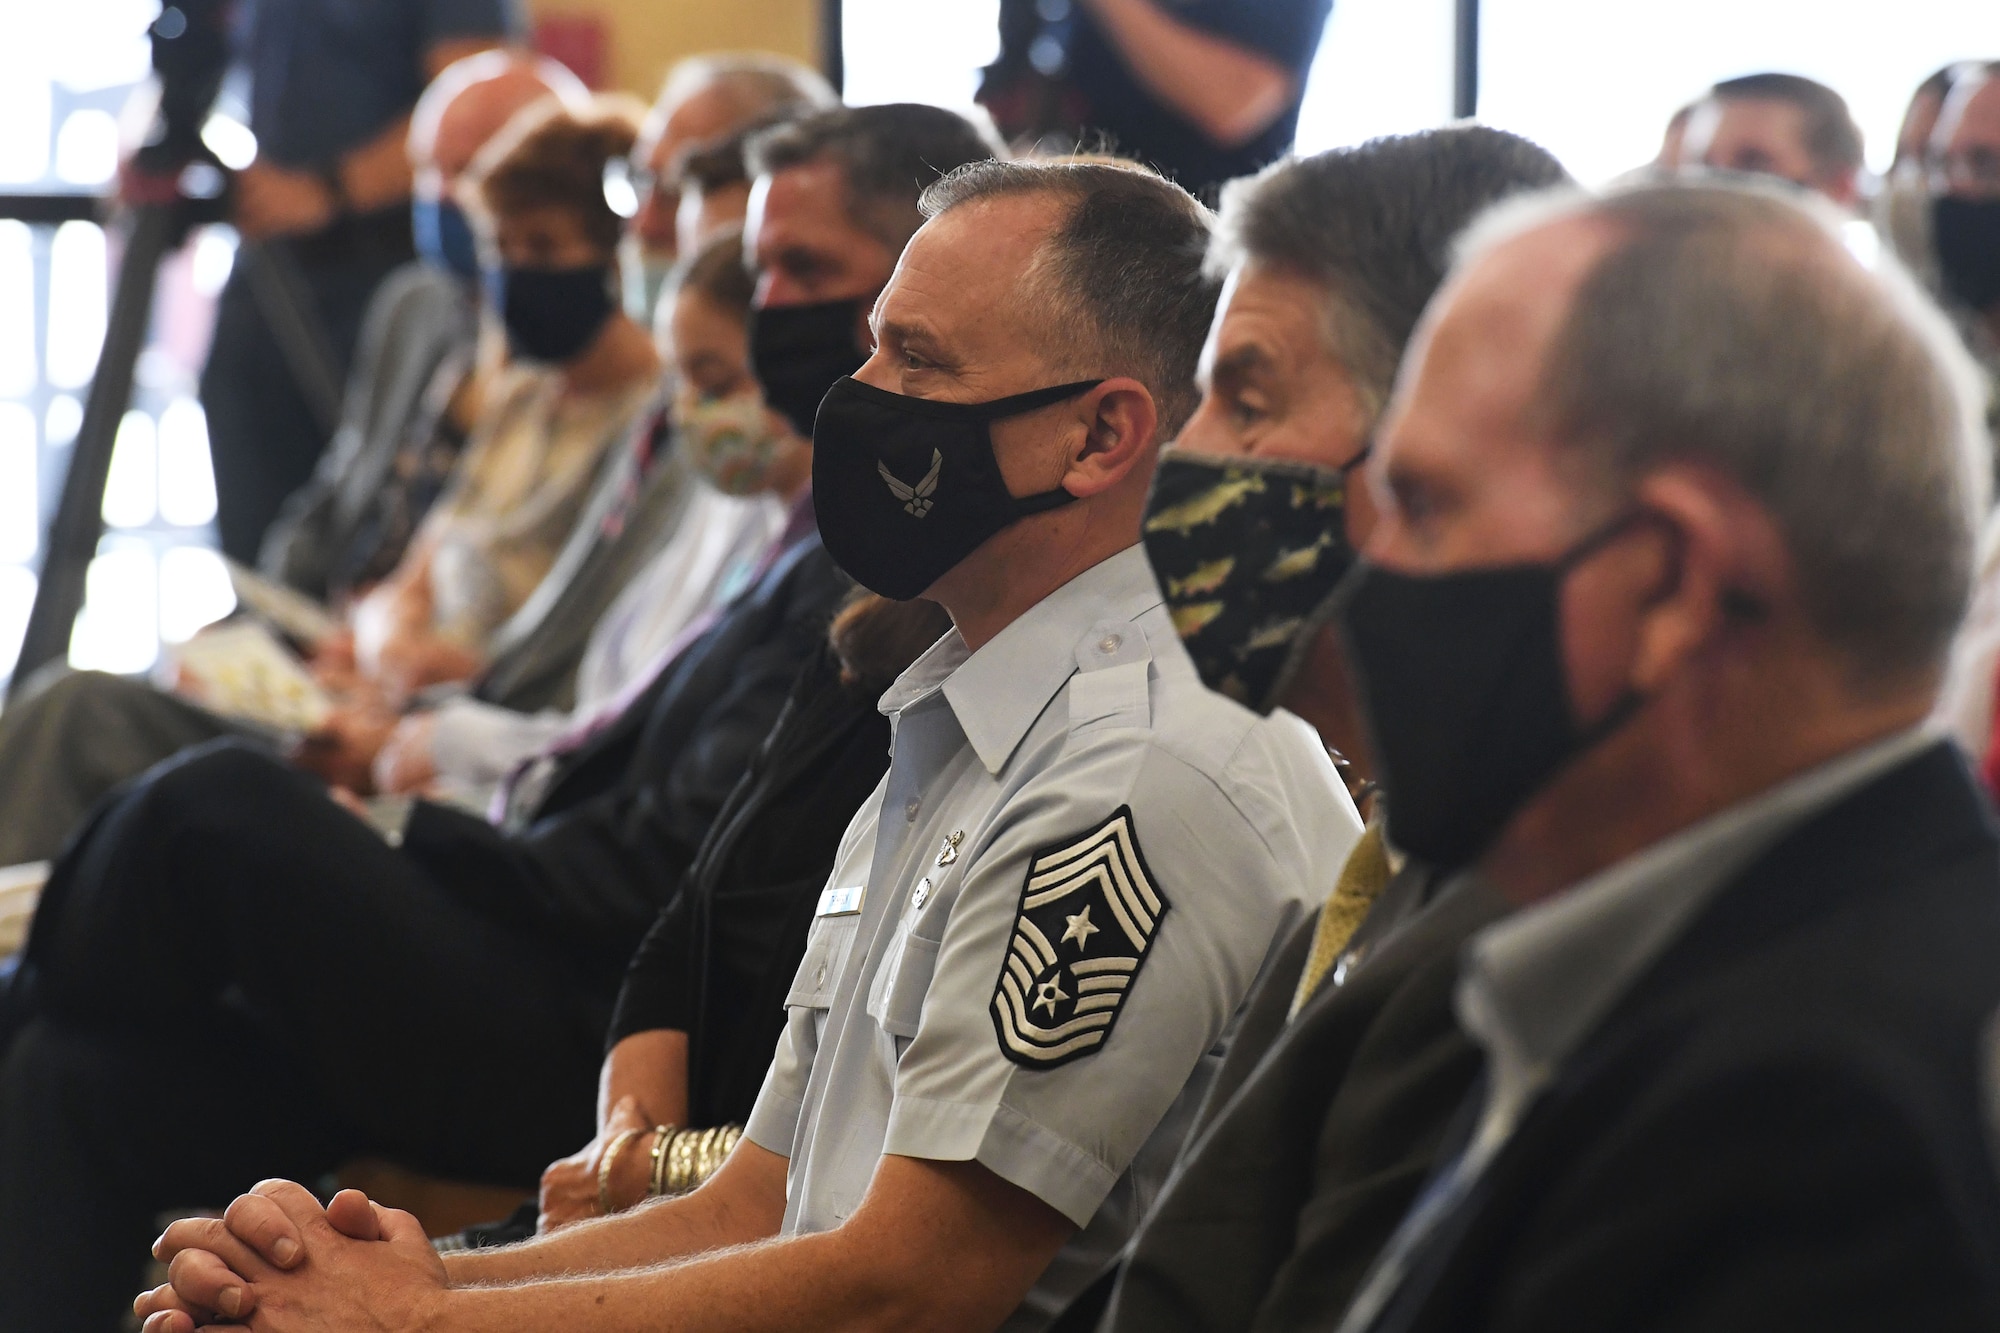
<point>662,1135</point>
<point>604,1165</point>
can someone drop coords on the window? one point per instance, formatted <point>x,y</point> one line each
<point>65,74</point>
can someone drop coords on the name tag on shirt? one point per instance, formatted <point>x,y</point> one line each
<point>840,902</point>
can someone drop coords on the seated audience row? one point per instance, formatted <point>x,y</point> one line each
<point>1007,917</point>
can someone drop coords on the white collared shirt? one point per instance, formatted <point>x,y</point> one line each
<point>1040,929</point>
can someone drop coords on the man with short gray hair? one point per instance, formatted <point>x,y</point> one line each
<point>1782,125</point>
<point>1036,936</point>
<point>1692,494</point>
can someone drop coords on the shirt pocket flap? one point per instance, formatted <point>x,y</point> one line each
<point>827,947</point>
<point>896,1001</point>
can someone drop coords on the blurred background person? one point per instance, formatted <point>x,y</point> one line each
<point>332,84</point>
<point>1202,90</point>
<point>1903,206</point>
<point>414,361</point>
<point>704,100</point>
<point>1779,125</point>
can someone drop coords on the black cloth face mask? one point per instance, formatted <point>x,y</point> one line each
<point>1249,552</point>
<point>905,488</point>
<point>1966,233</point>
<point>1467,698</point>
<point>798,351</point>
<point>551,314</point>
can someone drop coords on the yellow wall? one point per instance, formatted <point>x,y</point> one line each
<point>646,36</point>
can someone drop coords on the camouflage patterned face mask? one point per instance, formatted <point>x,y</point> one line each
<point>1248,552</point>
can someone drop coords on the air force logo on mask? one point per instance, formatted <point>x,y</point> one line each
<point>916,499</point>
<point>1088,914</point>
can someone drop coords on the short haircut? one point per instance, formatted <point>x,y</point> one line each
<point>755,83</point>
<point>551,157</point>
<point>1729,324</point>
<point>1370,228</point>
<point>1121,272</point>
<point>1832,139</point>
<point>887,155</point>
<point>716,272</point>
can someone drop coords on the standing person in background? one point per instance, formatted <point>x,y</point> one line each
<point>332,84</point>
<point>705,99</point>
<point>1204,90</point>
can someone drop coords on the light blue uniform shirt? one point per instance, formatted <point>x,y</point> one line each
<point>1040,929</point>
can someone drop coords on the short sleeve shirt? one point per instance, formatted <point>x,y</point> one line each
<point>1038,933</point>
<point>1060,38</point>
<point>328,75</point>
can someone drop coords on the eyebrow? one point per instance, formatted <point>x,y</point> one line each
<point>1239,362</point>
<point>915,336</point>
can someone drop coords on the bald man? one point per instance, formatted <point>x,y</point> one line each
<point>82,733</point>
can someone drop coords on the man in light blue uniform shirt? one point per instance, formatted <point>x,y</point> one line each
<point>1036,939</point>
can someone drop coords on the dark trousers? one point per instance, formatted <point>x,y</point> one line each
<point>231,978</point>
<point>262,435</point>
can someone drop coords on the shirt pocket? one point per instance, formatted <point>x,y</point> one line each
<point>828,944</point>
<point>896,1000</point>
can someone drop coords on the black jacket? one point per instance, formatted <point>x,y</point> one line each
<point>1786,1123</point>
<point>611,841</point>
<point>721,955</point>
<point>1316,1136</point>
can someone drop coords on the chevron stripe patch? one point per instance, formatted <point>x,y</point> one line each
<point>1088,914</point>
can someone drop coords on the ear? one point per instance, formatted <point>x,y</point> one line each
<point>1121,425</point>
<point>1728,568</point>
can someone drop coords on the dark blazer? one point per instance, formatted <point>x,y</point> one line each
<point>1317,1134</point>
<point>721,955</point>
<point>612,840</point>
<point>1787,1122</point>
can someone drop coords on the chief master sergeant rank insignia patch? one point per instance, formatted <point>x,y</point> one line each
<point>1088,914</point>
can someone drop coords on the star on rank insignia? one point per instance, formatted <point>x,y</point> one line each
<point>1088,914</point>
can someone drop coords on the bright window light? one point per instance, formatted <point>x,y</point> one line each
<point>1595,83</point>
<point>918,50</point>
<point>77,303</point>
<point>63,421</point>
<point>1384,67</point>
<point>19,373</point>
<point>118,628</point>
<point>87,147</point>
<point>187,477</point>
<point>131,489</point>
<point>17,598</point>
<point>98,45</point>
<point>194,592</point>
<point>20,516</point>
<point>25,109</point>
<point>214,254</point>
<point>231,140</point>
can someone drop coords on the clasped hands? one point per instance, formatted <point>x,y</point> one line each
<point>277,1261</point>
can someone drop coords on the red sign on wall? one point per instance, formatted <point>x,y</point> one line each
<point>580,41</point>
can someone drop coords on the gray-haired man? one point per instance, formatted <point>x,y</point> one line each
<point>1034,940</point>
<point>1693,494</point>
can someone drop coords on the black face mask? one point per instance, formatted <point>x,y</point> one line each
<point>798,351</point>
<point>1966,233</point>
<point>1248,552</point>
<point>1467,699</point>
<point>551,314</point>
<point>907,487</point>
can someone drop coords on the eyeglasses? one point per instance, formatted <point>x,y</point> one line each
<point>626,183</point>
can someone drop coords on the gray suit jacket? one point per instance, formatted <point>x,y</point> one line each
<point>1317,1134</point>
<point>630,515</point>
<point>417,320</point>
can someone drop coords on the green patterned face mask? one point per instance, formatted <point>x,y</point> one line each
<point>1248,552</point>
